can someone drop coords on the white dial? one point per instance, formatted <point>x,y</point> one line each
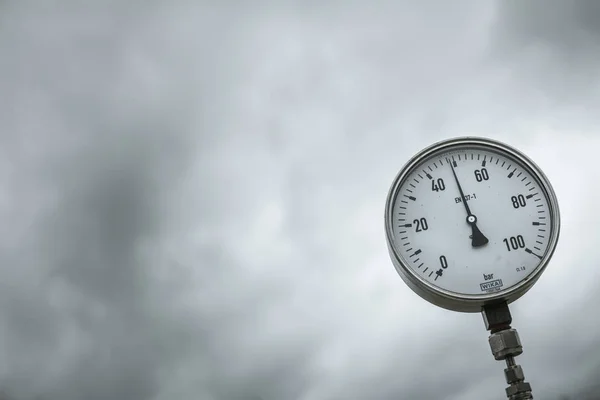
<point>470,221</point>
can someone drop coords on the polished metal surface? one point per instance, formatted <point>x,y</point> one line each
<point>505,343</point>
<point>450,300</point>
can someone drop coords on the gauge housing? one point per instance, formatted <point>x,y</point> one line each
<point>467,302</point>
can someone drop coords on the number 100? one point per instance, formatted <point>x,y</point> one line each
<point>514,243</point>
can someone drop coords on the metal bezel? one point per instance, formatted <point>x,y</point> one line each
<point>446,299</point>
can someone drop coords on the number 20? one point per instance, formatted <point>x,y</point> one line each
<point>421,224</point>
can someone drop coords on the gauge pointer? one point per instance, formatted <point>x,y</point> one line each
<point>478,238</point>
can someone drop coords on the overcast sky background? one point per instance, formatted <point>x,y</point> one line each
<point>193,193</point>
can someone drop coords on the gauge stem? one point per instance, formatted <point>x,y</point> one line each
<point>506,345</point>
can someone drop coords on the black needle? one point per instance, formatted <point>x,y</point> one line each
<point>478,238</point>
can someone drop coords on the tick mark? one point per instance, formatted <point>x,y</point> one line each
<point>413,198</point>
<point>415,253</point>
<point>530,195</point>
<point>531,252</point>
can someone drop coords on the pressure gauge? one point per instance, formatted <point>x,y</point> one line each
<point>470,222</point>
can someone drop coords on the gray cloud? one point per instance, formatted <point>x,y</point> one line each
<point>551,49</point>
<point>97,136</point>
<point>193,203</point>
<point>569,30</point>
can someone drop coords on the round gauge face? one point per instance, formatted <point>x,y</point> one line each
<point>471,221</point>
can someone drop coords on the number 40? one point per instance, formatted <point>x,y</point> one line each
<point>439,186</point>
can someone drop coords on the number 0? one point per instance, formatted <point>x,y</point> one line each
<point>443,262</point>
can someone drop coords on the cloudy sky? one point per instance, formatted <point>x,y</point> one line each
<point>193,194</point>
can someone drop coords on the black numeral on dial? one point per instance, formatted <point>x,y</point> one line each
<point>421,224</point>
<point>443,262</point>
<point>514,243</point>
<point>437,185</point>
<point>481,175</point>
<point>518,201</point>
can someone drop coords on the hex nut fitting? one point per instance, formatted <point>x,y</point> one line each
<point>514,374</point>
<point>505,343</point>
<point>517,389</point>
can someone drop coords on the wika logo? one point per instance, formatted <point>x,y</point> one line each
<point>495,284</point>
